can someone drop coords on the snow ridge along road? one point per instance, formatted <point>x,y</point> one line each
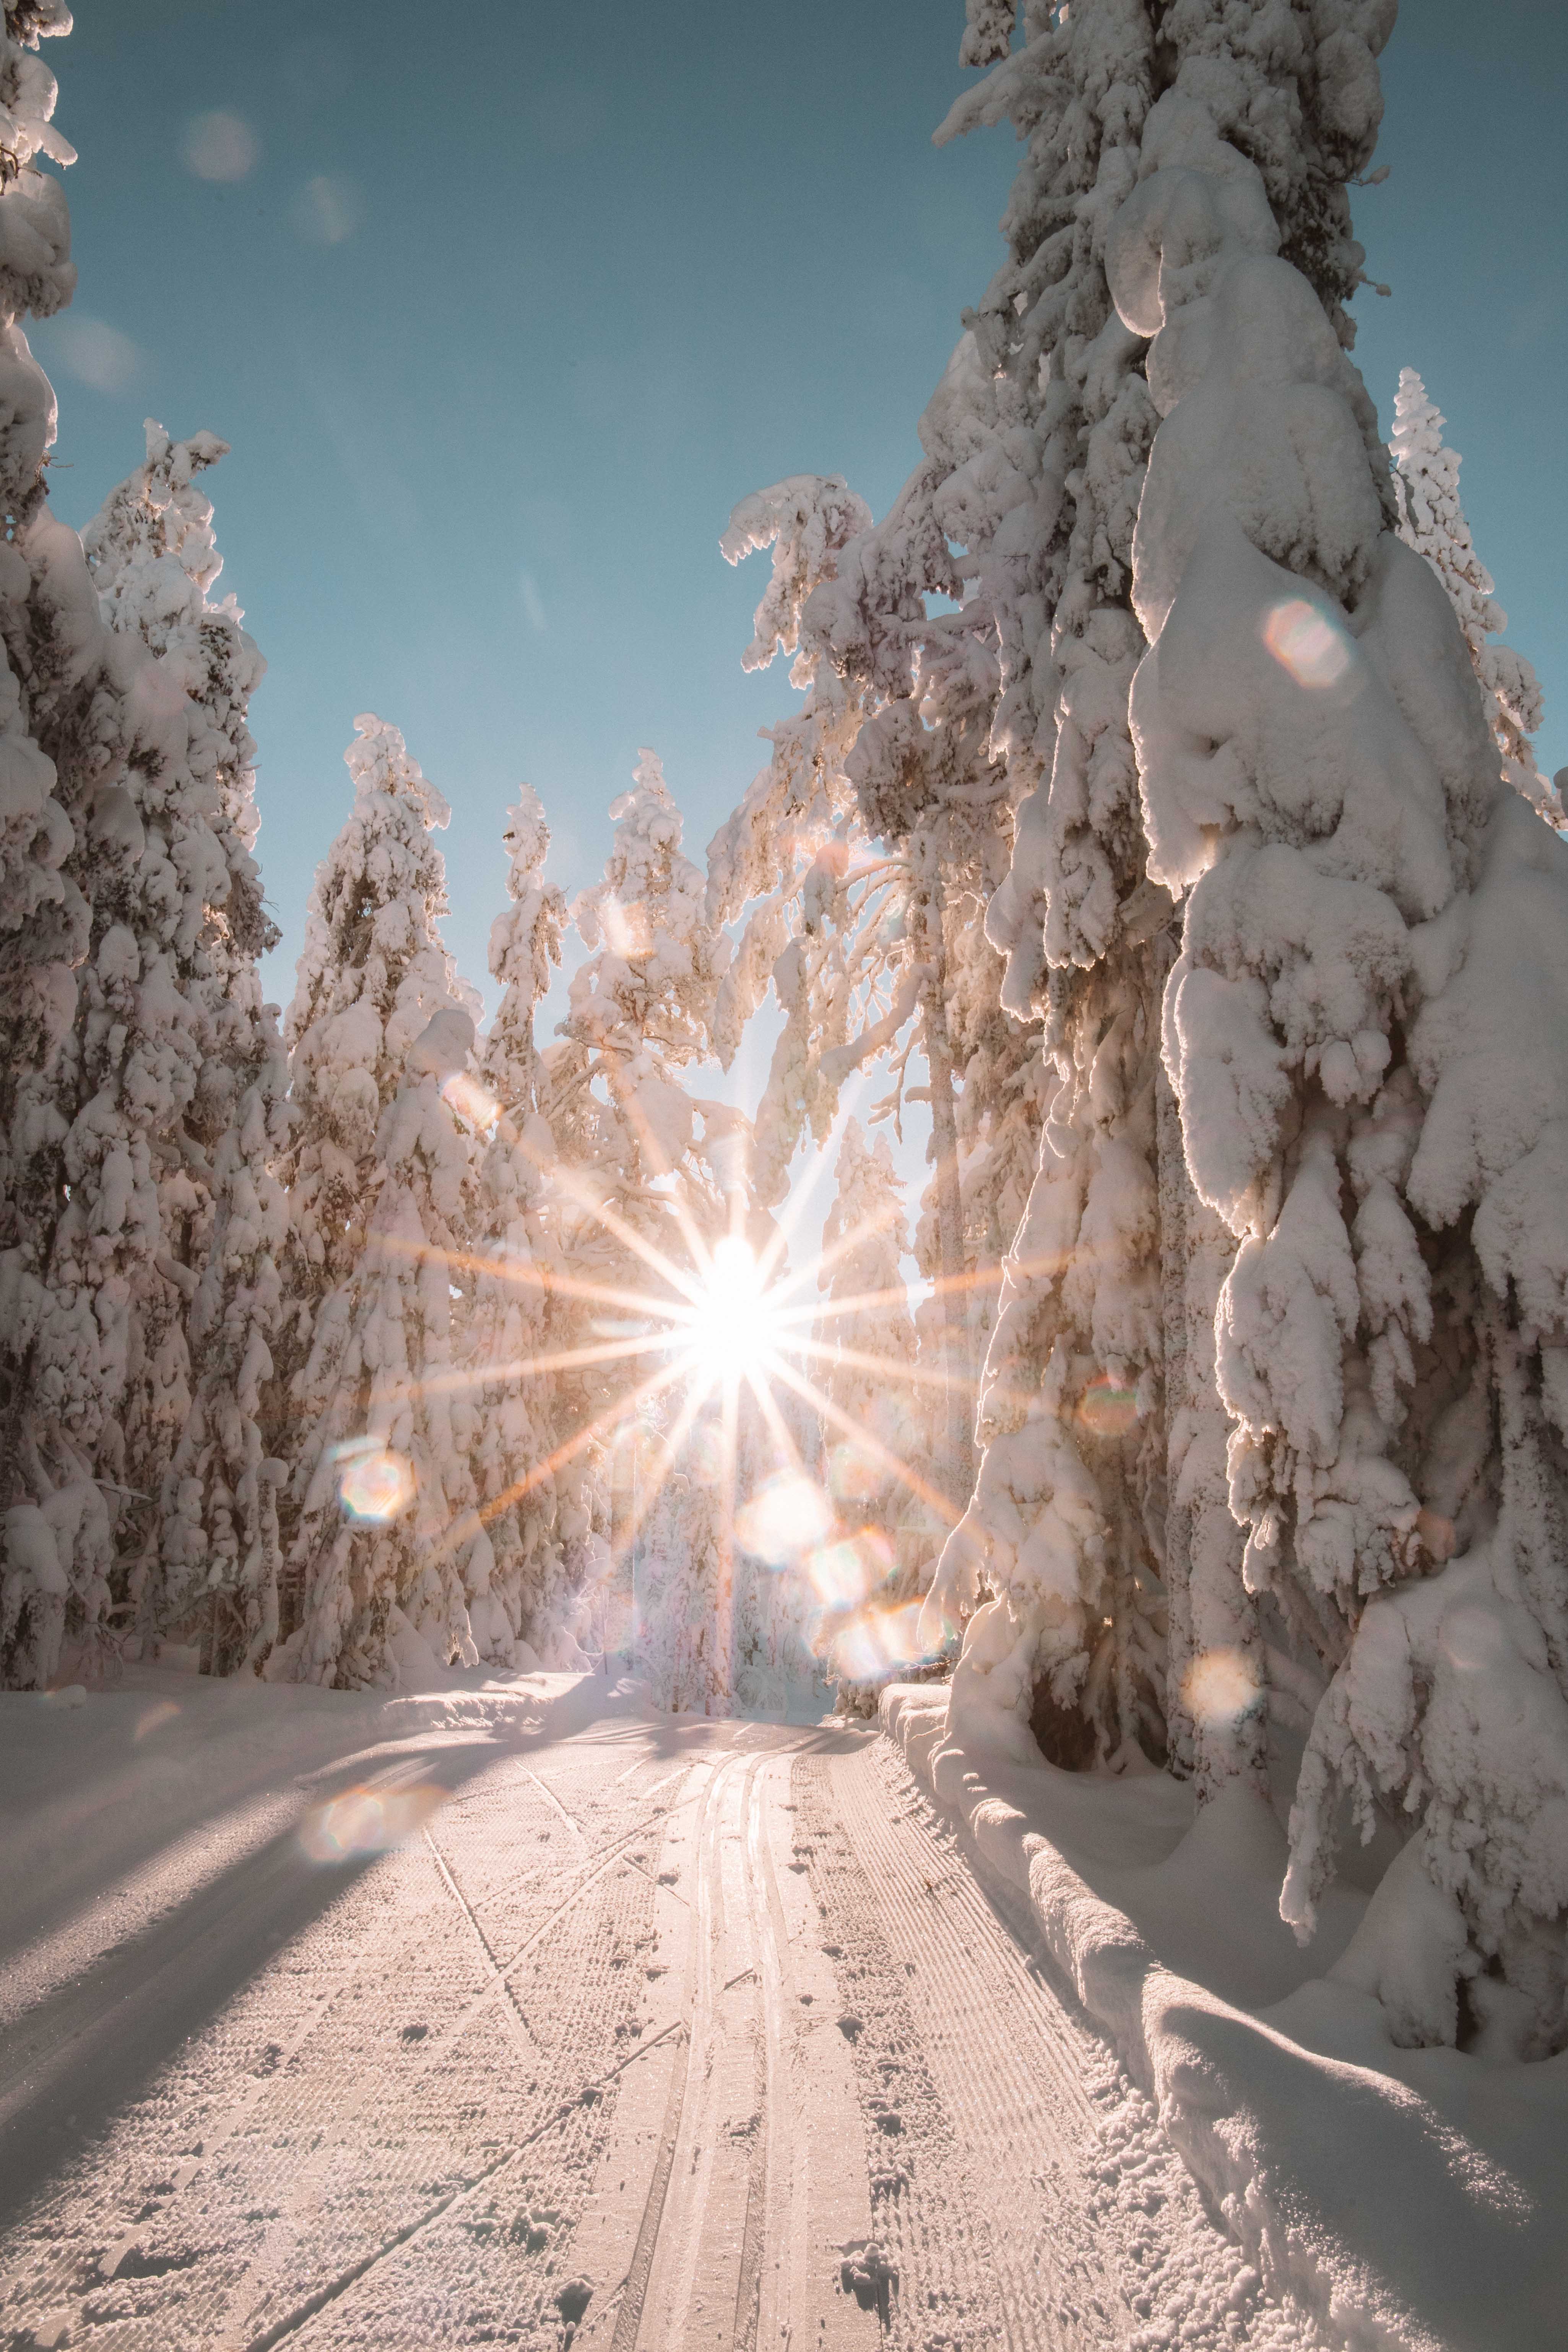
<point>651,2033</point>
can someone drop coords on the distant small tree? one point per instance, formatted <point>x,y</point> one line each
<point>1432,521</point>
<point>645,1169</point>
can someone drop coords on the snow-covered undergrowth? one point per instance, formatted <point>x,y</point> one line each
<point>1413,2197</point>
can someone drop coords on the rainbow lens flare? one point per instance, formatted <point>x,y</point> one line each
<point>1305,641</point>
<point>374,1484</point>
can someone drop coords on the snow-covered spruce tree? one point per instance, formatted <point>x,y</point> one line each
<point>645,1169</point>
<point>56,1541</point>
<point>381,1172</point>
<point>1023,511</point>
<point>1364,1031</point>
<point>538,1537</point>
<point>1104,1470</point>
<point>1432,521</point>
<point>125,1073</point>
<point>196,915</point>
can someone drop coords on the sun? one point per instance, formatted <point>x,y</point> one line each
<point>733,1326</point>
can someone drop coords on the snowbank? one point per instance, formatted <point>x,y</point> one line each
<point>1412,2197</point>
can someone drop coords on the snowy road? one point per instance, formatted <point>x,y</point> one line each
<point>656,2033</point>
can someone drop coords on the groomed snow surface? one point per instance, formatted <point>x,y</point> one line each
<point>1408,2196</point>
<point>518,2012</point>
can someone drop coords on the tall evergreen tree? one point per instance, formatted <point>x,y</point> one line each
<point>1364,1032</point>
<point>197,1040</point>
<point>537,1546</point>
<point>57,1543</point>
<point>382,1173</point>
<point>866,930</point>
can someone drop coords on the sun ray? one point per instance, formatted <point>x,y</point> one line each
<point>817,1169</point>
<point>583,1193</point>
<point>470,1522</point>
<point>841,1248</point>
<point>941,1286</point>
<point>808,1391</point>
<point>664,1462</point>
<point>895,1368</point>
<point>656,1156</point>
<point>526,1275</point>
<point>779,1428</point>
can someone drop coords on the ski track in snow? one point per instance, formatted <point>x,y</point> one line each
<point>698,2035</point>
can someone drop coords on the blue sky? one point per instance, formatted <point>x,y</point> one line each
<point>501,324</point>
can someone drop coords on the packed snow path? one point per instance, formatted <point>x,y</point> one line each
<point>653,2033</point>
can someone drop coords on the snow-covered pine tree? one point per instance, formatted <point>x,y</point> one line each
<point>645,1170</point>
<point>383,1178</point>
<point>57,1547</point>
<point>194,912</point>
<point>1104,1471</point>
<point>1023,514</point>
<point>539,1540</point>
<point>1365,1036</point>
<point>1432,521</point>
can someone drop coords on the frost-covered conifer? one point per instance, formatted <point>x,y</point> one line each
<point>385,1541</point>
<point>1035,442</point>
<point>57,1543</point>
<point>645,1168</point>
<point>1432,521</point>
<point>537,1544</point>
<point>1104,1472</point>
<point>1363,1033</point>
<point>630,1135</point>
<point>196,1040</point>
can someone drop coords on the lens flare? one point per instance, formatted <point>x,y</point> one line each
<point>842,1574</point>
<point>373,1482</point>
<point>785,1519</point>
<point>1107,1408</point>
<point>471,1101</point>
<point>1304,640</point>
<point>877,1640</point>
<point>367,1821</point>
<point>1222,1687</point>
